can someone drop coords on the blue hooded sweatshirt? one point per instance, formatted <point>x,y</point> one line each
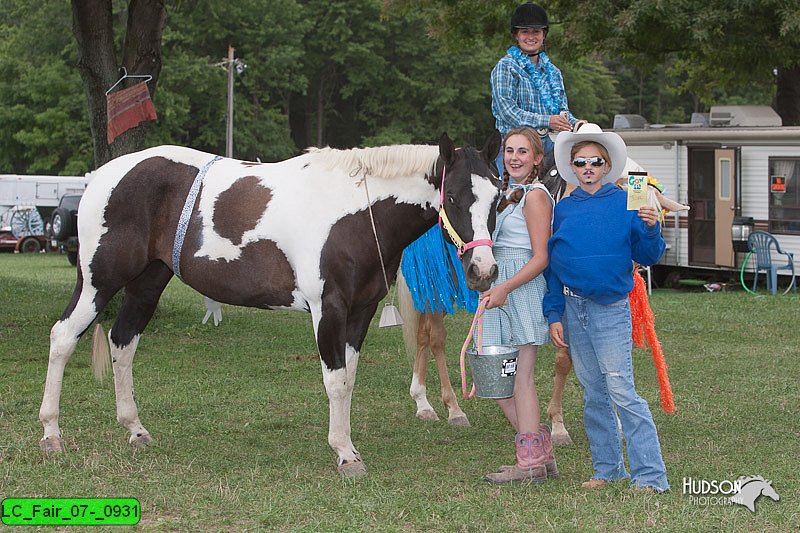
<point>594,244</point>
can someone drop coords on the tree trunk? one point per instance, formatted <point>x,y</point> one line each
<point>92,25</point>
<point>787,98</point>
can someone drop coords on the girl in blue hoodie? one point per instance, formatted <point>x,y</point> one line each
<point>595,241</point>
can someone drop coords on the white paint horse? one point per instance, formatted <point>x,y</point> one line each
<point>297,234</point>
<point>425,332</point>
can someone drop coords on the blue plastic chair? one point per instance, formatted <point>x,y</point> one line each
<point>763,245</point>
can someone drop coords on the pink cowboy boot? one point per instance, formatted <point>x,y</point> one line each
<point>549,456</point>
<point>530,461</point>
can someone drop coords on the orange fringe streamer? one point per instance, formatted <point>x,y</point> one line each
<point>644,329</point>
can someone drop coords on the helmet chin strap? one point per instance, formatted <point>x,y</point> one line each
<point>536,54</point>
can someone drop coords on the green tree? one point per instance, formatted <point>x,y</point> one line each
<point>427,89</point>
<point>341,58</point>
<point>671,58</point>
<point>267,38</point>
<point>42,109</point>
<point>717,49</point>
<point>482,28</point>
<point>376,79</point>
<point>100,56</point>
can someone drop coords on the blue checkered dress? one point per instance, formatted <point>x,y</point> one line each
<point>523,309</point>
<point>524,306</point>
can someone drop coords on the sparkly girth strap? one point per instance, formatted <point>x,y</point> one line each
<point>183,222</point>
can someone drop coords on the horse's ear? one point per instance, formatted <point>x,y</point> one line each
<point>492,147</point>
<point>447,149</point>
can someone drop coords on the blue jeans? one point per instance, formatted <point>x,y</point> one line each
<point>599,338</point>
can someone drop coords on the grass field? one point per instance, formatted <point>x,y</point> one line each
<point>239,416</point>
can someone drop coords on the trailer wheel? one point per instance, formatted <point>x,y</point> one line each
<point>30,245</point>
<point>72,257</point>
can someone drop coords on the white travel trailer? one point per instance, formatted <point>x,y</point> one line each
<point>26,203</point>
<point>39,191</point>
<point>737,168</point>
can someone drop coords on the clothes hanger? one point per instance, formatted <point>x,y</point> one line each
<point>126,75</point>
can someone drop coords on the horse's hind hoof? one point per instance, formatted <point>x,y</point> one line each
<point>561,439</point>
<point>52,444</point>
<point>353,469</point>
<point>140,441</point>
<point>459,421</point>
<point>428,415</point>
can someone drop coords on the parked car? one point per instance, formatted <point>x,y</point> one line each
<point>64,226</point>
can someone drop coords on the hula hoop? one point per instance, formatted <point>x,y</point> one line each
<point>741,273</point>
<point>741,277</point>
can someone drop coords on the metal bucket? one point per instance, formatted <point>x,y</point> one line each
<point>493,370</point>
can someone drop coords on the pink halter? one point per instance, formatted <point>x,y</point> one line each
<point>444,222</point>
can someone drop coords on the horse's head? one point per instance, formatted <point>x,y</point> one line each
<point>758,486</point>
<point>750,488</point>
<point>769,491</point>
<point>467,214</point>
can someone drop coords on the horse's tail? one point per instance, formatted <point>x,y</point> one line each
<point>100,353</point>
<point>410,315</point>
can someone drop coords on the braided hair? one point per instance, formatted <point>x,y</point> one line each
<point>536,143</point>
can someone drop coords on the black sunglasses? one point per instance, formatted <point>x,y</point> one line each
<point>580,162</point>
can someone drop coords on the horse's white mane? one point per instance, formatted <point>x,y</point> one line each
<point>383,161</point>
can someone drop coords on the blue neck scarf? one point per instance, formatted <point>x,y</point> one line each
<point>546,83</point>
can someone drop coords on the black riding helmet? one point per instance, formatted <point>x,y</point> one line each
<point>530,15</point>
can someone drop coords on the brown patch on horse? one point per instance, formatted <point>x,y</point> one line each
<point>240,207</point>
<point>351,268</point>
<point>261,276</point>
<point>350,254</point>
<point>148,199</point>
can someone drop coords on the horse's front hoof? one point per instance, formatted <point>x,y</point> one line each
<point>353,469</point>
<point>52,444</point>
<point>428,415</point>
<point>459,421</point>
<point>140,441</point>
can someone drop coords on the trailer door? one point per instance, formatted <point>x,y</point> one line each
<point>724,205</point>
<point>702,199</point>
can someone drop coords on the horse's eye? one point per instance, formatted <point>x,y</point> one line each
<point>451,199</point>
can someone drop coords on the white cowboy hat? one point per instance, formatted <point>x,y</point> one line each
<point>590,132</point>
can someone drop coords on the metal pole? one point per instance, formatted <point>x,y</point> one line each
<point>229,136</point>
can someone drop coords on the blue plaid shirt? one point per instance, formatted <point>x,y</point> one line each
<point>515,100</point>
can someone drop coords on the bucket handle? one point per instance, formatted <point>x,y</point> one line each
<point>514,342</point>
<point>475,335</point>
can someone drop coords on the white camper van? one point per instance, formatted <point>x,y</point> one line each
<point>737,168</point>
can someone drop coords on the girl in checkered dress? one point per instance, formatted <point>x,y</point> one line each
<point>520,247</point>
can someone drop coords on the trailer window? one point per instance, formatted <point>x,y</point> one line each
<point>725,178</point>
<point>784,195</point>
